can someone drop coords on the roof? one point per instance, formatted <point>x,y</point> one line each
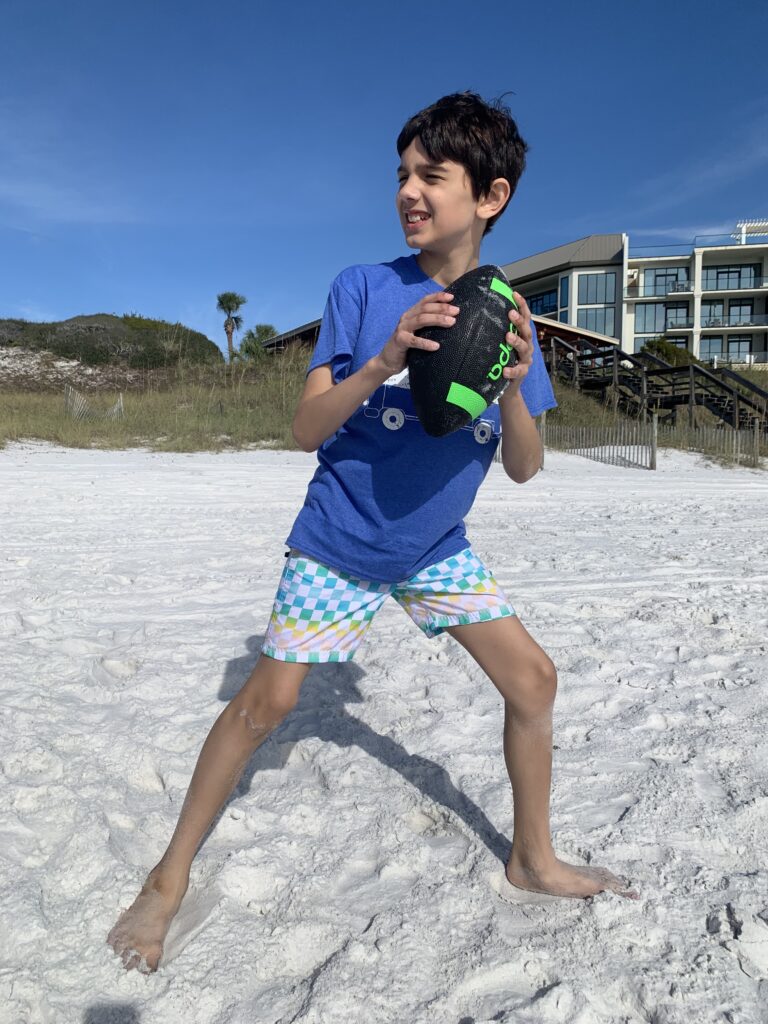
<point>307,332</point>
<point>546,327</point>
<point>590,251</point>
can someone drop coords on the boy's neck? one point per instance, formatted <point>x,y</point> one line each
<point>445,269</point>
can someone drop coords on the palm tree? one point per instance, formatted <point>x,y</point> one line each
<point>252,345</point>
<point>229,303</point>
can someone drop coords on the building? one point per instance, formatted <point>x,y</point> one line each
<point>708,296</point>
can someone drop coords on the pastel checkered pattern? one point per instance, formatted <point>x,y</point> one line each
<point>322,614</point>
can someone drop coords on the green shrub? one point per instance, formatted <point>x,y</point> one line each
<point>664,349</point>
<point>103,338</point>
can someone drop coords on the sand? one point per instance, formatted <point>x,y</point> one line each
<point>356,873</point>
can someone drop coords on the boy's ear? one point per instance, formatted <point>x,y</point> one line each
<point>495,199</point>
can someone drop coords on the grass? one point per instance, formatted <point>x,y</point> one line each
<point>198,408</point>
<point>203,410</point>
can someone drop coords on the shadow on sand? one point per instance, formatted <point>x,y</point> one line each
<point>111,1013</point>
<point>321,712</point>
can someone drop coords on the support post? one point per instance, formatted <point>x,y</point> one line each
<point>543,435</point>
<point>654,439</point>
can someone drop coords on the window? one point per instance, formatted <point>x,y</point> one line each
<point>563,316</point>
<point>564,292</point>
<point>595,288</point>
<point>640,343</point>
<point>739,275</point>
<point>711,346</point>
<point>712,313</point>
<point>662,280</point>
<point>739,344</point>
<point>650,317</point>
<point>543,303</point>
<point>677,314</point>
<point>740,312</point>
<point>599,319</point>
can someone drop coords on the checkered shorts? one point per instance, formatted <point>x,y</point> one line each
<point>322,614</point>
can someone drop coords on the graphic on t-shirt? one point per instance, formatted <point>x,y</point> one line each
<point>393,410</point>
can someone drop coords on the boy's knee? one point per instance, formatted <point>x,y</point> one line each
<point>271,692</point>
<point>260,712</point>
<point>534,688</point>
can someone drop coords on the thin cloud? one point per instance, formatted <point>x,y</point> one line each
<point>686,234</point>
<point>747,154</point>
<point>56,203</point>
<point>39,181</point>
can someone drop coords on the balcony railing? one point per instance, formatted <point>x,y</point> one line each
<point>683,323</point>
<point>709,284</point>
<point>736,320</point>
<point>699,242</point>
<point>736,359</point>
<point>648,291</point>
<point>644,291</point>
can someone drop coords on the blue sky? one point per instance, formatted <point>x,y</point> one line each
<point>153,154</point>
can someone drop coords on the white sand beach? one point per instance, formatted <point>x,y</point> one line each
<point>355,874</point>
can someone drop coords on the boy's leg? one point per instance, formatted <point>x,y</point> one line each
<point>271,691</point>
<point>526,679</point>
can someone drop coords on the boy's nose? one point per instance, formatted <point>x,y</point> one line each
<point>408,189</point>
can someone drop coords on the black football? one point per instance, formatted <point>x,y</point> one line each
<point>454,384</point>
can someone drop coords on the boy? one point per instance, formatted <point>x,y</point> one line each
<point>384,512</point>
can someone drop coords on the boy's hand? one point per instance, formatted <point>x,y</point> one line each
<point>432,311</point>
<point>523,343</point>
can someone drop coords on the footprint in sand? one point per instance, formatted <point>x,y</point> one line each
<point>744,935</point>
<point>595,814</point>
<point>490,991</point>
<point>118,668</point>
<point>34,767</point>
<point>197,909</point>
<point>521,897</point>
<point>372,883</point>
<point>447,844</point>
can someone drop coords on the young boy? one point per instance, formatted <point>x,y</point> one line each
<point>384,511</point>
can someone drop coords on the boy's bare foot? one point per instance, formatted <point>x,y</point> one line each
<point>562,879</point>
<point>140,931</point>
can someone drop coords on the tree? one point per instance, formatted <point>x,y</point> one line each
<point>669,352</point>
<point>229,303</point>
<point>252,345</point>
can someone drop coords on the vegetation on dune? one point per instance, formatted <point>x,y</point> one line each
<point>103,338</point>
<point>187,398</point>
<point>252,345</point>
<point>203,408</point>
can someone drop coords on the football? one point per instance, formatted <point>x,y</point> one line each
<point>452,385</point>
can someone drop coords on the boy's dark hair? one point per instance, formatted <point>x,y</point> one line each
<point>481,136</point>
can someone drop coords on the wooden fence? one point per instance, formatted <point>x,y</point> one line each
<point>634,445</point>
<point>79,408</point>
<point>631,445</point>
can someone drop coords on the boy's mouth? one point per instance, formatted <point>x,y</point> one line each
<point>414,218</point>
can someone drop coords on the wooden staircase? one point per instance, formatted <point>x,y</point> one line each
<point>645,383</point>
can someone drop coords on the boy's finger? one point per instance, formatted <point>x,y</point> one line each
<point>522,303</point>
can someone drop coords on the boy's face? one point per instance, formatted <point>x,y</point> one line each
<point>435,202</point>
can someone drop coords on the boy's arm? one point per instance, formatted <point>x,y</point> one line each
<point>520,441</point>
<point>325,406</point>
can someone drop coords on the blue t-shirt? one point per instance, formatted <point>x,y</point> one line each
<point>387,499</point>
